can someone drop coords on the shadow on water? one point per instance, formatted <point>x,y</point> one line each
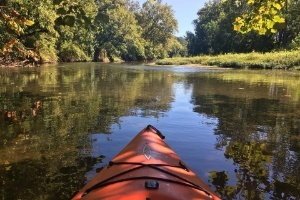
<point>59,123</point>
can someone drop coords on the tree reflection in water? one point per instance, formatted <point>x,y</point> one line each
<point>48,115</point>
<point>260,133</point>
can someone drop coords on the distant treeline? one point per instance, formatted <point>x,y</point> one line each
<point>215,34</point>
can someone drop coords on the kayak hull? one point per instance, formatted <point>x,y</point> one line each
<point>147,168</point>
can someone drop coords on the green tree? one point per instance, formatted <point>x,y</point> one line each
<point>14,24</point>
<point>158,26</point>
<point>121,36</point>
<point>176,48</point>
<point>288,34</point>
<point>214,33</point>
<point>193,45</point>
<point>263,17</point>
<point>75,26</point>
<point>52,25</point>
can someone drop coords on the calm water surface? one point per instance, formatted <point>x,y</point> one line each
<point>238,130</point>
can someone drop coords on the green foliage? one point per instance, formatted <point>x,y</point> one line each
<point>135,33</point>
<point>129,32</point>
<point>296,43</point>
<point>70,52</point>
<point>175,48</point>
<point>71,12</point>
<point>38,39</point>
<point>47,49</point>
<point>158,26</point>
<point>274,60</point>
<point>292,28</point>
<point>121,36</point>
<point>67,20</point>
<point>13,25</point>
<point>214,33</point>
<point>263,17</point>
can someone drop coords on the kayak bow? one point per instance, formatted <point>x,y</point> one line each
<point>147,168</point>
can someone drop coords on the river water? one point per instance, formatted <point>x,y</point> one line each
<point>238,130</point>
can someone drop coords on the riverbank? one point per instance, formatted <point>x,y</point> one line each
<point>287,60</point>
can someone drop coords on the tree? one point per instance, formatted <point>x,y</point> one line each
<point>51,25</point>
<point>263,17</point>
<point>13,25</point>
<point>175,48</point>
<point>193,46</point>
<point>121,36</point>
<point>75,26</point>
<point>214,33</point>
<point>291,29</point>
<point>158,26</point>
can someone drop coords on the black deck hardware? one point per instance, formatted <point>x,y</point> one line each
<point>157,131</point>
<point>151,184</point>
<point>183,166</point>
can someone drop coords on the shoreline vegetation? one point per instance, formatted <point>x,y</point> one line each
<point>125,31</point>
<point>286,60</point>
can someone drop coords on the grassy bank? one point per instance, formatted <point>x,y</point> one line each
<point>274,60</point>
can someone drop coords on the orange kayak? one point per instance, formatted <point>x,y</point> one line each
<point>147,168</point>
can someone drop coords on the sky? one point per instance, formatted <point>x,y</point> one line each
<point>185,11</point>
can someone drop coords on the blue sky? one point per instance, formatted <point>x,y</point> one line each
<point>185,11</point>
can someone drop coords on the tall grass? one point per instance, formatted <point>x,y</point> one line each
<point>273,60</point>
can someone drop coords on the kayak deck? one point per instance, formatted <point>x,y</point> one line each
<point>147,168</point>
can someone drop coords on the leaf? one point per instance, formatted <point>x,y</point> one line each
<point>250,2</point>
<point>29,22</point>
<point>238,24</point>
<point>237,27</point>
<point>262,31</point>
<point>277,5</point>
<point>11,43</point>
<point>270,24</point>
<point>273,11</point>
<point>13,25</point>
<point>278,19</point>
<point>281,20</point>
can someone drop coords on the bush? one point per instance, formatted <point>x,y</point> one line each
<point>70,52</point>
<point>274,60</point>
<point>47,49</point>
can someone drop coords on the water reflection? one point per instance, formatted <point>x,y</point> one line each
<point>258,129</point>
<point>239,130</point>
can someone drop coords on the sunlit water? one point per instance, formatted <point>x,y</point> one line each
<point>238,130</point>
